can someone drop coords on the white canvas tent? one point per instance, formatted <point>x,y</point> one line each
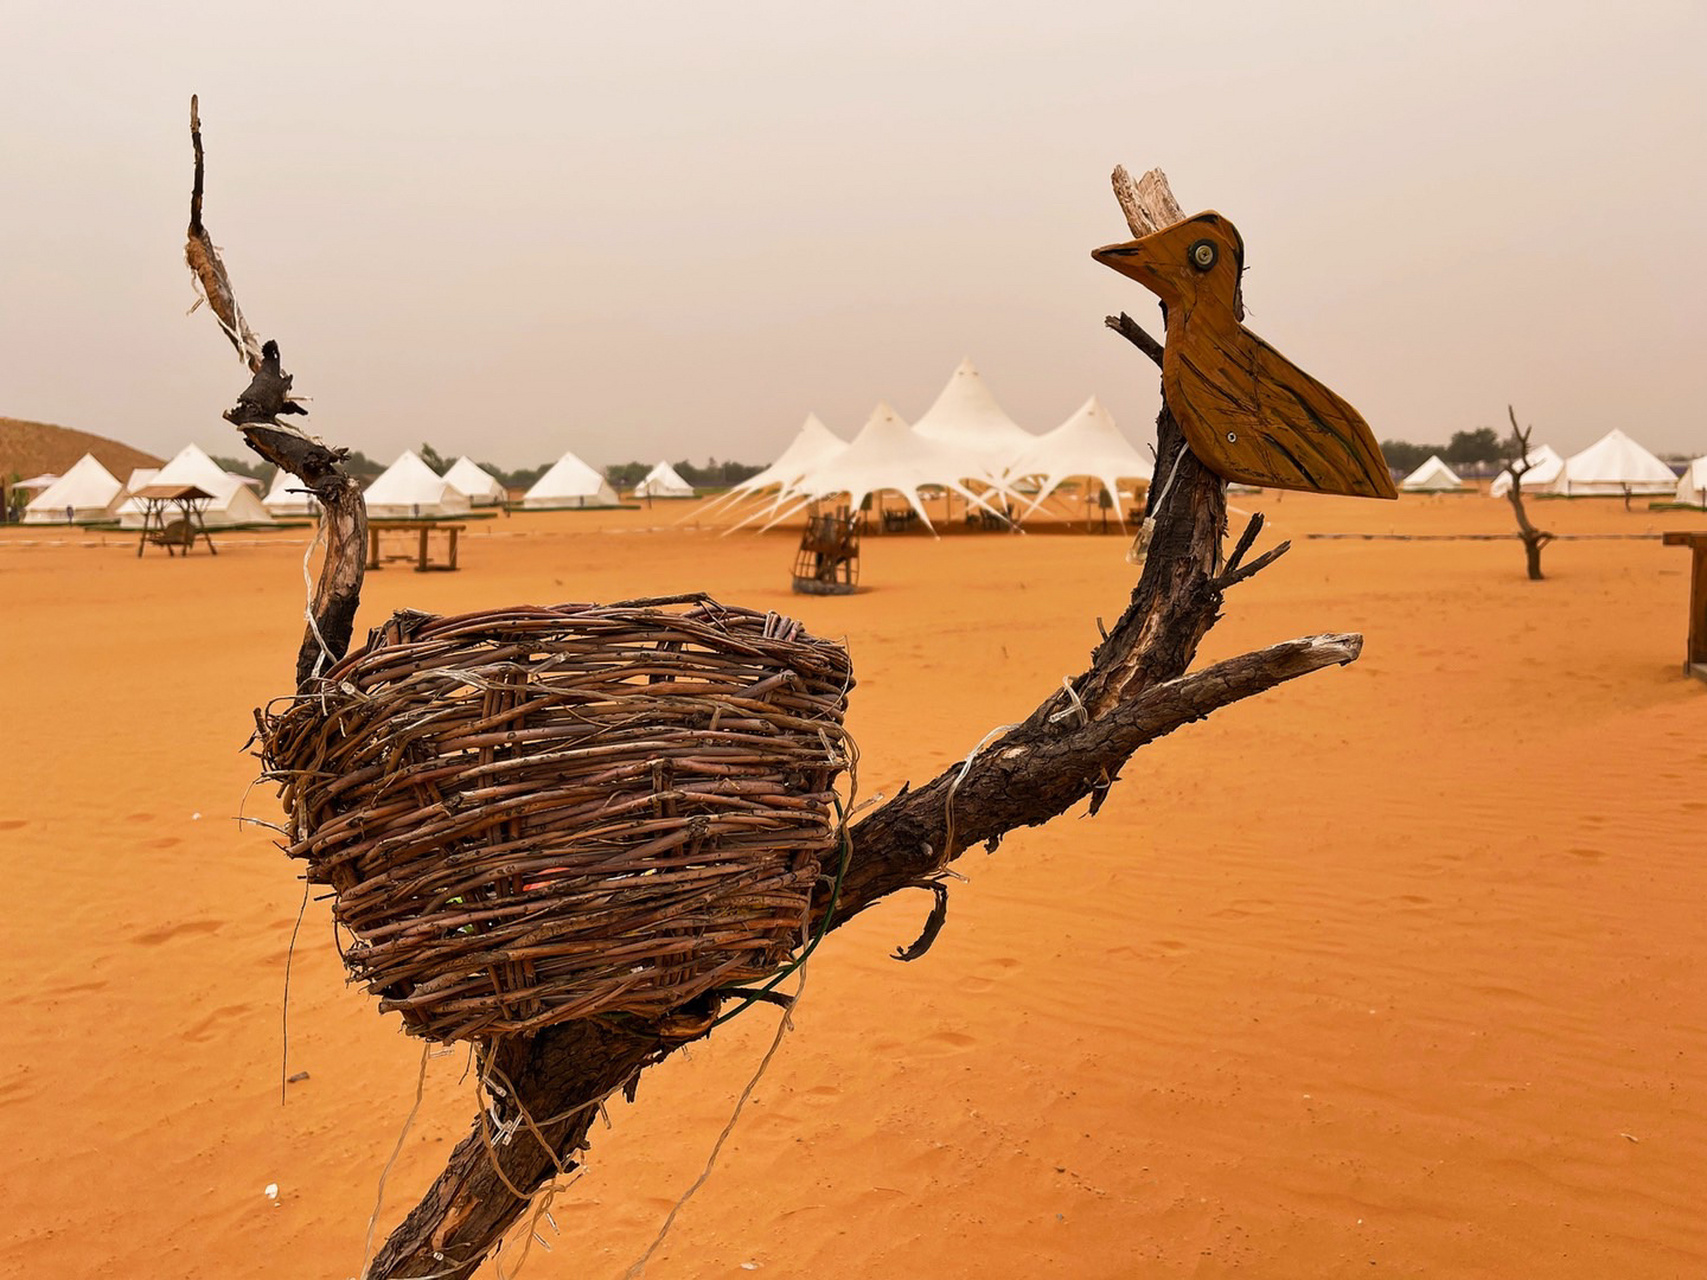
<point>886,455</point>
<point>966,421</point>
<point>1545,464</point>
<point>1434,476</point>
<point>663,481</point>
<point>1692,484</point>
<point>410,489</point>
<point>82,494</point>
<point>812,444</point>
<point>479,484</point>
<point>282,502</point>
<point>234,502</point>
<point>569,483</point>
<point>1614,464</point>
<point>35,484</point>
<point>1089,446</point>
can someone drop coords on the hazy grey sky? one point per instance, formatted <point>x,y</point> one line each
<point>671,230</point>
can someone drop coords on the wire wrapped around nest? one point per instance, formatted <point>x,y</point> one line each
<point>537,814</point>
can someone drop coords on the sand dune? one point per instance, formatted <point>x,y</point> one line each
<point>34,448</point>
<point>1397,970</point>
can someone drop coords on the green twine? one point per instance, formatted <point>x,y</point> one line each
<point>754,996</point>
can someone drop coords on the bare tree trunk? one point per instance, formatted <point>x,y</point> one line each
<point>1533,539</point>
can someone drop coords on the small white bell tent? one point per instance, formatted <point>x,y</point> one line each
<point>479,484</point>
<point>1434,476</point>
<point>1545,464</point>
<point>1692,484</point>
<point>570,483</point>
<point>411,490</point>
<point>82,494</point>
<point>663,481</point>
<point>1614,464</point>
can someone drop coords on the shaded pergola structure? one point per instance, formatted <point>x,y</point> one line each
<point>174,532</point>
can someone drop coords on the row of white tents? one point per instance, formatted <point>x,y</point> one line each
<point>965,444</point>
<point>1614,464</point>
<point>408,488</point>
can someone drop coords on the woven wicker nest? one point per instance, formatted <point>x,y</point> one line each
<point>537,814</point>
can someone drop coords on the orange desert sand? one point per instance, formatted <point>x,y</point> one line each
<point>1399,969</point>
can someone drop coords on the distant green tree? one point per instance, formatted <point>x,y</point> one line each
<point>625,475</point>
<point>254,468</point>
<point>715,474</point>
<point>520,478</point>
<point>1481,447</point>
<point>360,465</point>
<point>433,458</point>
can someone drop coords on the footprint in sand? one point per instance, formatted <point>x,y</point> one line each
<point>207,1028</point>
<point>154,937</point>
<point>1238,910</point>
<point>11,824</point>
<point>946,1042</point>
<point>165,842</point>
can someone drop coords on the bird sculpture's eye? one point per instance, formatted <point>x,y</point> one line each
<point>1202,255</point>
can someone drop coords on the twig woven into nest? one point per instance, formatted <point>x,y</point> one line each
<point>535,814</point>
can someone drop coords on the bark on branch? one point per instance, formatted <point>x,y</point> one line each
<point>332,610</point>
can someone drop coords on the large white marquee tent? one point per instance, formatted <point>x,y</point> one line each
<point>569,483</point>
<point>410,489</point>
<point>82,494</point>
<point>966,420</point>
<point>886,455</point>
<point>812,444</point>
<point>1087,446</point>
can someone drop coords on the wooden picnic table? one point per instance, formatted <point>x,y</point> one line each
<point>422,554</point>
<point>1695,663</point>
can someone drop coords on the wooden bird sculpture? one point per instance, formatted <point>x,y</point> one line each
<point>1247,411</point>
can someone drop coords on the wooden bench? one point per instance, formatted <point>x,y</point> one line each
<point>422,554</point>
<point>1695,662</point>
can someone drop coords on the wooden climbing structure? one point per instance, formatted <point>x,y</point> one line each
<point>827,563</point>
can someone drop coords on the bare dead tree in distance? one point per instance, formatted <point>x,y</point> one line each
<point>1533,539</point>
<point>547,1086</point>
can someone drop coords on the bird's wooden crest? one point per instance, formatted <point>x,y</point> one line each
<point>1249,413</point>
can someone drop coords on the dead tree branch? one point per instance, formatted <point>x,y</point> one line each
<point>332,611</point>
<point>1072,747</point>
<point>1533,539</point>
<point>1136,334</point>
<point>209,270</point>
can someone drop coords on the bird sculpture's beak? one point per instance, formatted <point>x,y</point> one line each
<point>1132,259</point>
